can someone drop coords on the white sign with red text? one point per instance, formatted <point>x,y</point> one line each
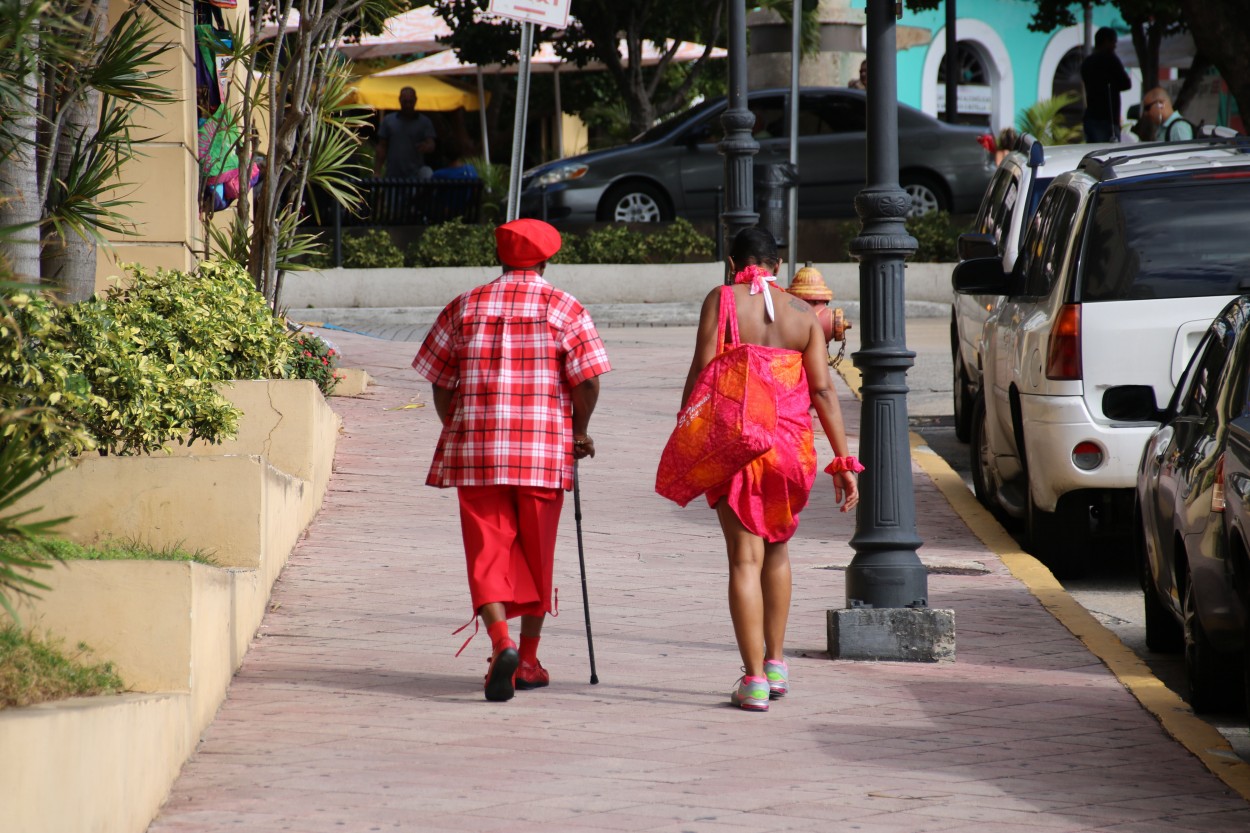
<point>553,14</point>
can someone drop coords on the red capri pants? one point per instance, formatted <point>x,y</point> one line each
<point>510,545</point>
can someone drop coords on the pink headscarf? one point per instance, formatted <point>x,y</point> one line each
<point>759,278</point>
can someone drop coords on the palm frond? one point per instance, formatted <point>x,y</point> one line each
<point>21,472</point>
<point>1044,121</point>
<point>126,66</point>
<point>83,201</point>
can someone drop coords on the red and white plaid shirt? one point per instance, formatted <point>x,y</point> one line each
<point>512,350</point>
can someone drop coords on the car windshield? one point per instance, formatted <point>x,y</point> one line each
<point>668,125</point>
<point>1184,239</point>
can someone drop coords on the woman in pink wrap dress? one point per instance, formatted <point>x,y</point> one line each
<point>758,508</point>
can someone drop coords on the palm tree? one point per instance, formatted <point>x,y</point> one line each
<point>1044,121</point>
<point>69,91</point>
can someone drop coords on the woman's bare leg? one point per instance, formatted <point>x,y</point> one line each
<point>746,597</point>
<point>775,582</point>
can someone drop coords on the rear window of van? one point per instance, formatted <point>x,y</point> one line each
<point>1181,239</point>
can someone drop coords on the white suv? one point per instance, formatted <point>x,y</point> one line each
<point>1120,272</point>
<point>1008,205</point>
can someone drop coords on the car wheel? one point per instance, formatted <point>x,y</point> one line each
<point>979,451</point>
<point>963,400</point>
<point>926,192</point>
<point>1163,633</point>
<point>1212,685</point>
<point>635,202</point>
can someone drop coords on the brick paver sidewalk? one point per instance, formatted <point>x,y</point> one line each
<point>351,714</point>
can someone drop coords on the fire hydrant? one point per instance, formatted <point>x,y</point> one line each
<point>809,285</point>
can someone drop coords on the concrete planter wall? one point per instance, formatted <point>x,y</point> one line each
<point>592,284</point>
<point>175,631</point>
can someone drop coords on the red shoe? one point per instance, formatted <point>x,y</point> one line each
<point>499,675</point>
<point>532,676</point>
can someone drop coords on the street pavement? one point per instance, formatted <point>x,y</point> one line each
<point>351,712</point>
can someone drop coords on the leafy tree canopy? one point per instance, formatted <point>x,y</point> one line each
<point>597,30</point>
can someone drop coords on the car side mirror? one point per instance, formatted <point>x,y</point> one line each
<point>1131,403</point>
<point>982,276</point>
<point>974,245</point>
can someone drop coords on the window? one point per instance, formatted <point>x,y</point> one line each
<point>1184,239</point>
<point>1041,254</point>
<point>770,117</point>
<point>995,216</point>
<point>1204,384</point>
<point>829,114</point>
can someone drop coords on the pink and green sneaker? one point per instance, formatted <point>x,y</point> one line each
<point>778,674</point>
<point>751,694</point>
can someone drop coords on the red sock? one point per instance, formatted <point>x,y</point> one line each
<point>498,634</point>
<point>529,649</point>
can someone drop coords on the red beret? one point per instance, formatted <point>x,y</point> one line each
<point>526,242</point>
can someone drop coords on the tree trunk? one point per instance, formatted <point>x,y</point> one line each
<point>1193,80</point>
<point>69,260</point>
<point>1212,26</point>
<point>1146,39</point>
<point>20,210</point>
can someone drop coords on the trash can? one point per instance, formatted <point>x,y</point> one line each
<point>772,181</point>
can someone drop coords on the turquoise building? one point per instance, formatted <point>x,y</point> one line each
<point>1004,67</point>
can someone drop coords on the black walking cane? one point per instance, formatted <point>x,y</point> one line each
<point>581,560</point>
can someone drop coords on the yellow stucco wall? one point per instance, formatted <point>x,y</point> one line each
<point>162,183</point>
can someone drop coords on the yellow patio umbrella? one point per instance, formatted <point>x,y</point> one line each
<point>382,91</point>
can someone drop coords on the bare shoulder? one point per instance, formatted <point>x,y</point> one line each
<point>796,319</point>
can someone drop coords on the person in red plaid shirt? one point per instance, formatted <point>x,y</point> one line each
<point>515,366</point>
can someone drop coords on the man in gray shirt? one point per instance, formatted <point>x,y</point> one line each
<point>404,138</point>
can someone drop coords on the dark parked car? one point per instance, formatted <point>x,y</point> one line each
<point>674,169</point>
<point>1193,508</point>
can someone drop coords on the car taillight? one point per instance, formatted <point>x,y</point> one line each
<point>1086,456</point>
<point>1063,360</point>
<point>1217,491</point>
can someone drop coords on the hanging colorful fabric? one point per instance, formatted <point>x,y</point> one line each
<point>728,421</point>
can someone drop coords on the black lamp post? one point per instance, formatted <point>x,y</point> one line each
<point>739,146</point>
<point>886,572</point>
<point>887,614</point>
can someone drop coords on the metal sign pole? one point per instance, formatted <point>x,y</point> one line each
<point>481,113</point>
<point>518,127</point>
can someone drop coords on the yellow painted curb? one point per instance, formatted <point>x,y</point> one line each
<point>1176,718</point>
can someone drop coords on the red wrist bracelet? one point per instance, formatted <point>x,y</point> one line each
<point>847,463</point>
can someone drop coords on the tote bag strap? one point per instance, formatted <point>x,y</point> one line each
<point>728,316</point>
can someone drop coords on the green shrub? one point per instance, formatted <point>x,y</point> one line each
<point>614,244</point>
<point>313,359</point>
<point>938,239</point>
<point>373,249</point>
<point>33,671</point>
<point>39,393</point>
<point>153,350</point>
<point>454,244</point>
<point>678,243</point>
<point>571,248</point>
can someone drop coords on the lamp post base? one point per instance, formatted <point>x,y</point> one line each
<point>900,634</point>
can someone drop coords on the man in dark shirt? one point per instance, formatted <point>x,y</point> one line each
<point>404,138</point>
<point>1104,78</point>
